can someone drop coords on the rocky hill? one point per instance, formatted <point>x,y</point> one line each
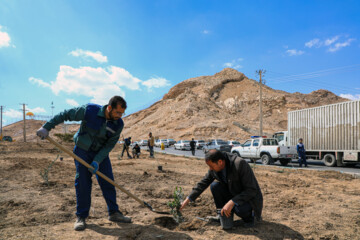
<point>16,130</point>
<point>225,105</point>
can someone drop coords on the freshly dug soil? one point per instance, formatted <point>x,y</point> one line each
<point>298,204</point>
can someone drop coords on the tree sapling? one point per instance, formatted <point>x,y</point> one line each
<point>176,204</point>
<point>45,172</point>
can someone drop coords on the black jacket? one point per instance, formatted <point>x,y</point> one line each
<point>241,182</point>
<point>192,144</point>
<point>137,149</point>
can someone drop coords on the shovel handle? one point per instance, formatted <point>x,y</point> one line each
<point>97,172</point>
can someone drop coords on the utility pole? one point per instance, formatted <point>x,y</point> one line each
<point>1,114</point>
<point>261,73</point>
<point>52,108</point>
<point>24,110</point>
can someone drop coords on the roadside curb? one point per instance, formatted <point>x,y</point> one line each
<point>355,175</point>
<point>179,155</point>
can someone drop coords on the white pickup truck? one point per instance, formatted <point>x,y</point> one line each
<point>266,149</point>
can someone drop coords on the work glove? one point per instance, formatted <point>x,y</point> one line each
<point>95,165</point>
<point>42,133</point>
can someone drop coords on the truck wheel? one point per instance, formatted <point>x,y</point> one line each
<point>237,153</point>
<point>266,159</point>
<point>329,160</point>
<point>284,162</point>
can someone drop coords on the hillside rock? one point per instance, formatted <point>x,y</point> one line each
<point>225,105</point>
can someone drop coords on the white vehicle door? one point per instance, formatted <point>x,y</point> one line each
<point>245,150</point>
<point>254,148</point>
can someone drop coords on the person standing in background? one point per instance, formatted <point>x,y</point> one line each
<point>301,153</point>
<point>193,146</point>
<point>151,143</point>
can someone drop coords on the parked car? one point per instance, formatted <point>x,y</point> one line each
<point>143,142</point>
<point>234,143</point>
<point>7,138</point>
<point>171,141</point>
<point>266,149</point>
<point>200,144</point>
<point>159,141</point>
<point>218,144</point>
<point>182,145</point>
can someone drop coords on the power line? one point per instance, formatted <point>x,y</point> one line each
<point>316,73</point>
<point>327,85</point>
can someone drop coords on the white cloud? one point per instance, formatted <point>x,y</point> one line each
<point>39,82</point>
<point>11,113</point>
<point>205,31</point>
<point>234,63</point>
<point>313,43</point>
<point>36,110</point>
<point>98,83</point>
<point>338,46</point>
<point>72,102</point>
<point>294,52</point>
<point>97,56</point>
<point>330,41</point>
<point>156,82</point>
<point>4,39</point>
<point>351,96</point>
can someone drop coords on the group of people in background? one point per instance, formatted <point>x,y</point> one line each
<point>136,150</point>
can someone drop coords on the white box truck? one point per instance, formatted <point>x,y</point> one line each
<point>330,133</point>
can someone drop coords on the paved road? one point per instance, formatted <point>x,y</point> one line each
<point>315,165</point>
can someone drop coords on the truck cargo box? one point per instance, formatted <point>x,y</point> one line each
<point>334,127</point>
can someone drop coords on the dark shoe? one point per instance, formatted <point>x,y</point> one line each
<point>80,224</point>
<point>249,223</point>
<point>119,217</point>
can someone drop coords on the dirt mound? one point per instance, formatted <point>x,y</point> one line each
<point>225,105</point>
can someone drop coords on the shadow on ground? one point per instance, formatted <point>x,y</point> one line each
<point>266,230</point>
<point>134,231</point>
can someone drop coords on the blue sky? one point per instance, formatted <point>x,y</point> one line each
<point>74,52</point>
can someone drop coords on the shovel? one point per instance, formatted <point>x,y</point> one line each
<point>143,203</point>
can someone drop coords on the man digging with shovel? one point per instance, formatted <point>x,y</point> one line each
<point>98,134</point>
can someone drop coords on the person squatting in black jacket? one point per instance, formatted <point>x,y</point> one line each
<point>235,190</point>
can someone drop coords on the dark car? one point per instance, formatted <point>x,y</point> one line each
<point>218,144</point>
<point>171,141</point>
<point>7,138</point>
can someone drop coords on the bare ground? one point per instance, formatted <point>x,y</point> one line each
<point>297,204</point>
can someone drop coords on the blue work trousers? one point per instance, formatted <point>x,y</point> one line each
<point>151,149</point>
<point>222,195</point>
<point>302,159</point>
<point>83,183</point>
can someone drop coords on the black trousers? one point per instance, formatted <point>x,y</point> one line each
<point>222,195</point>
<point>127,150</point>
